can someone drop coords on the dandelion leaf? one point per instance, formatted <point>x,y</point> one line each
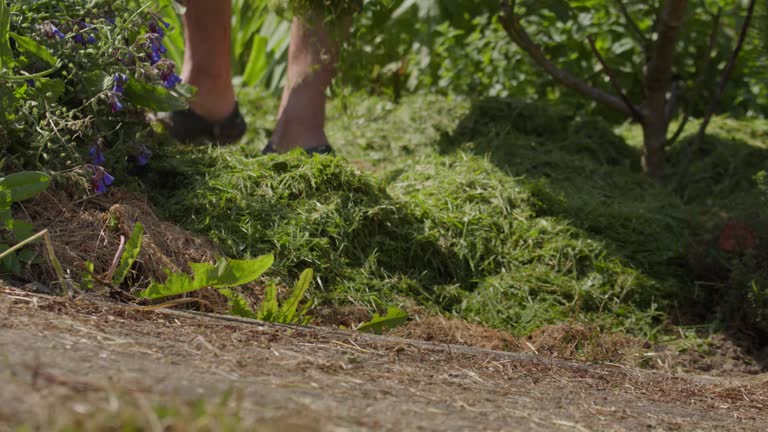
<point>288,313</point>
<point>177,283</point>
<point>395,317</point>
<point>131,252</point>
<point>237,304</point>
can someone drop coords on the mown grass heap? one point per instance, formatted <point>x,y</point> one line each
<point>510,214</point>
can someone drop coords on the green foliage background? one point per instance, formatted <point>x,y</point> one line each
<point>403,46</point>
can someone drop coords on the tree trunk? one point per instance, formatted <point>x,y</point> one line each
<point>654,139</point>
<point>658,78</point>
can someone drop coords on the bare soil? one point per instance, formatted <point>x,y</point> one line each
<point>83,364</point>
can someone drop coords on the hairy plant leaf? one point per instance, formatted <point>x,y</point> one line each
<point>95,82</point>
<point>21,186</point>
<point>49,89</point>
<point>21,230</point>
<point>153,97</point>
<point>130,253</point>
<point>395,317</point>
<point>28,45</point>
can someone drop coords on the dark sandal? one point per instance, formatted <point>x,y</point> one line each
<point>324,149</point>
<point>188,126</point>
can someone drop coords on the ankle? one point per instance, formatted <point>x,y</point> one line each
<point>214,99</point>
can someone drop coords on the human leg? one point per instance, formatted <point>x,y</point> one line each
<point>312,57</point>
<point>207,57</point>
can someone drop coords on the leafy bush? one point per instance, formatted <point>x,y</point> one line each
<point>77,81</point>
<point>459,47</point>
<point>15,188</point>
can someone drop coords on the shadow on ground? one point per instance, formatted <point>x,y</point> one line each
<point>592,178</point>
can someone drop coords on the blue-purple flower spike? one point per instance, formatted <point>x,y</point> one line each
<point>156,29</point>
<point>53,31</point>
<point>119,82</point>
<point>108,179</point>
<point>144,156</point>
<point>115,104</point>
<point>100,180</point>
<point>170,80</point>
<point>156,48</point>
<point>97,156</point>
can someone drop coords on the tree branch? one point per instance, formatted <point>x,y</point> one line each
<point>614,82</point>
<point>718,94</point>
<point>511,25</point>
<point>728,69</point>
<point>701,73</point>
<point>678,132</point>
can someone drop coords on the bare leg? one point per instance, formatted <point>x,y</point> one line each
<point>312,60</point>
<point>207,58</point>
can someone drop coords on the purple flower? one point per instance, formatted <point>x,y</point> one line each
<point>156,48</point>
<point>118,88</point>
<point>114,103</point>
<point>144,156</point>
<point>110,20</point>
<point>97,156</point>
<point>30,82</point>
<point>156,29</point>
<point>81,38</point>
<point>52,31</point>
<point>119,82</point>
<point>100,180</point>
<point>170,79</point>
<point>167,69</point>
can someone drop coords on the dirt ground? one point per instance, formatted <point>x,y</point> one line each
<point>86,365</point>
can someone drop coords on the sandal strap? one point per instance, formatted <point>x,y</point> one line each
<point>324,149</point>
<point>190,127</point>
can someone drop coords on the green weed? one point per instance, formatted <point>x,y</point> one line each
<point>290,312</point>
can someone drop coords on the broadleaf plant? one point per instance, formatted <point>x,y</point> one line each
<point>131,252</point>
<point>270,310</point>
<point>395,317</point>
<point>224,274</point>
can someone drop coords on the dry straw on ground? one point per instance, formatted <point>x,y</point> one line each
<point>91,230</point>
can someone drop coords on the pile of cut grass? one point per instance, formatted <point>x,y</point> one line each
<point>505,213</point>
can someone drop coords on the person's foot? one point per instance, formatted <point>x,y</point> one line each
<point>324,149</point>
<point>188,126</point>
